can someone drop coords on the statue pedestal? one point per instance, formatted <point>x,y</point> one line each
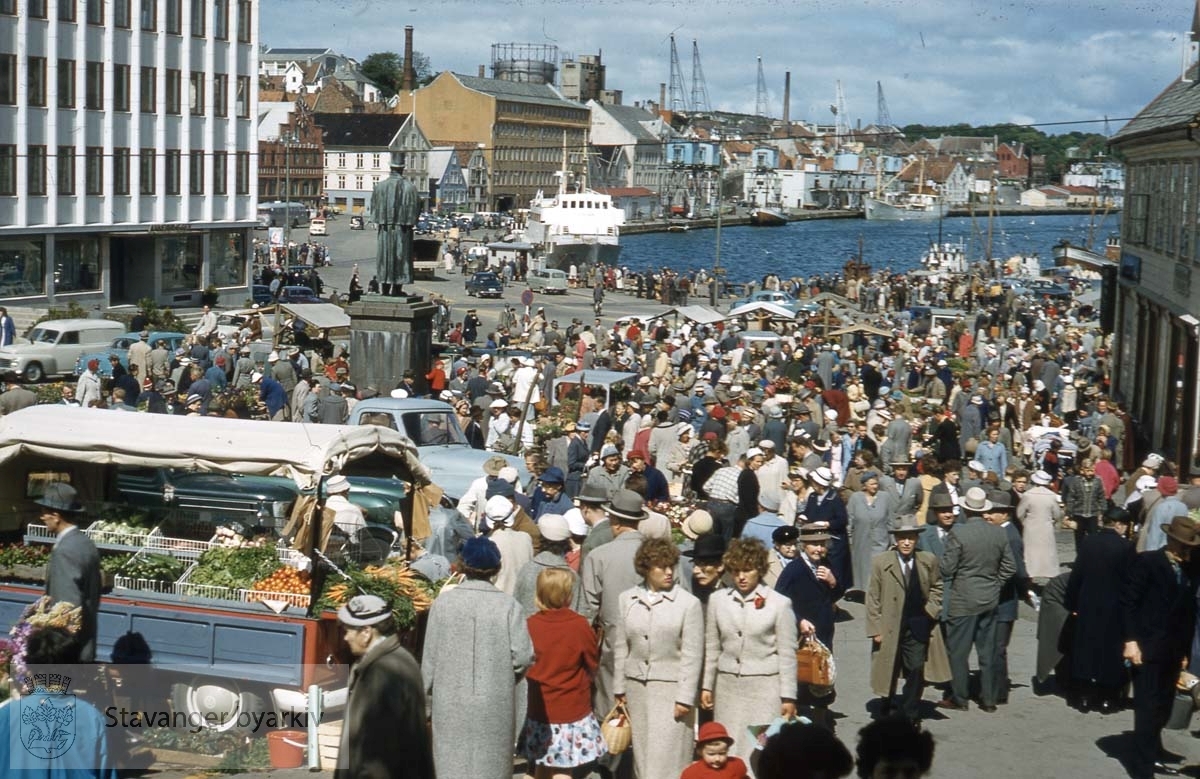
<point>388,336</point>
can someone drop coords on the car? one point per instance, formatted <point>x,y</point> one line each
<point>297,294</point>
<point>357,223</point>
<point>260,294</point>
<point>54,345</point>
<point>317,227</point>
<point>775,297</point>
<point>485,284</point>
<point>1045,288</point>
<point>230,323</point>
<point>120,347</point>
<point>548,281</point>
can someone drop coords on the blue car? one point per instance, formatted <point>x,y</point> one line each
<point>120,347</point>
<point>485,284</point>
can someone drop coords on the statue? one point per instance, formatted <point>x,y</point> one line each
<point>395,207</point>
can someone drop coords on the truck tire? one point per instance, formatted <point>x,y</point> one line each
<point>33,372</point>
<point>220,704</point>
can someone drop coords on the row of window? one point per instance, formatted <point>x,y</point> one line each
<point>119,166</point>
<point>360,182</point>
<point>360,160</point>
<point>148,14</point>
<point>1162,208</point>
<point>543,111</point>
<point>93,93</point>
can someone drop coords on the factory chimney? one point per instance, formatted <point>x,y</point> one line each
<point>483,71</point>
<point>662,95</point>
<point>406,82</point>
<point>787,99</point>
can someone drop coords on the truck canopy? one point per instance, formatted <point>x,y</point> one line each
<point>304,452</point>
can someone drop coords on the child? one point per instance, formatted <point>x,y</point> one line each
<point>713,758</point>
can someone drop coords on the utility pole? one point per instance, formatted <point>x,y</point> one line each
<point>286,139</point>
<point>715,295</point>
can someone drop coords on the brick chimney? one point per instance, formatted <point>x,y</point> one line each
<point>409,80</point>
<point>787,98</point>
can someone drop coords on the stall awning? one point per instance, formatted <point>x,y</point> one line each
<point>763,308</point>
<point>699,314</point>
<point>323,316</point>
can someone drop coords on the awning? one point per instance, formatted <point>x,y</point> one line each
<point>861,328</point>
<point>323,316</point>
<point>700,314</point>
<point>763,307</point>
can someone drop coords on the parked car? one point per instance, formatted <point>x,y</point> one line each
<point>120,347</point>
<point>295,294</point>
<point>548,281</point>
<point>776,297</point>
<point>317,227</point>
<point>1044,287</point>
<point>231,322</point>
<point>357,222</point>
<point>54,345</point>
<point>485,285</point>
<point>260,294</point>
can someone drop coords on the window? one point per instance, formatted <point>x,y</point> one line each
<point>146,171</point>
<point>8,169</point>
<point>181,260</point>
<point>173,161</point>
<point>66,170</point>
<point>66,83</point>
<point>121,13</point>
<point>358,161</point>
<point>196,93</point>
<point>37,9</point>
<point>66,10</point>
<point>121,87</point>
<point>196,172</point>
<point>174,16</point>
<point>341,182</point>
<point>77,264</point>
<point>221,173</point>
<point>245,14</point>
<point>375,161</point>
<point>221,94</point>
<point>149,15</point>
<point>95,11</point>
<point>120,173</point>
<point>198,18</point>
<point>221,19</point>
<point>174,78</point>
<point>35,172</point>
<point>93,83</point>
<point>227,257</point>
<point>8,7</point>
<point>148,83</point>
<point>93,170</point>
<point>358,182</point>
<point>242,101</point>
<point>8,79</point>
<point>341,160</point>
<point>36,79</point>
<point>243,173</point>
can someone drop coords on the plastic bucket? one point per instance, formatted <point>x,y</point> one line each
<point>287,748</point>
<point>1181,711</point>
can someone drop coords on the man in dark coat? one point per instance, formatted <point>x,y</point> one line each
<point>946,437</point>
<point>1016,589</point>
<point>1097,581</point>
<point>1159,609</point>
<point>812,587</point>
<point>384,731</point>
<point>73,575</point>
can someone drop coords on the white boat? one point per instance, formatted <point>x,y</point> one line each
<point>576,227</point>
<point>945,258</point>
<point>768,217</point>
<point>910,207</point>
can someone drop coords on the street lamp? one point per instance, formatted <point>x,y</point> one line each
<point>287,139</point>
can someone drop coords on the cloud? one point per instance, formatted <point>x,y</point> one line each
<point>940,61</point>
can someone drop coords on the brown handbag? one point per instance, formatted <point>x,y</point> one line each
<point>814,663</point>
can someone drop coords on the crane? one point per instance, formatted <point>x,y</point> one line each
<point>700,102</point>
<point>678,90</point>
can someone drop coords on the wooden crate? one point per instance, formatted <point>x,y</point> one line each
<point>329,737</point>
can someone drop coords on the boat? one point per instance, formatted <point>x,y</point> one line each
<point>768,217</point>
<point>574,227</point>
<point>885,206</point>
<point>945,257</point>
<point>677,228</point>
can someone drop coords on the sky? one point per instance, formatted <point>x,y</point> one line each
<point>1060,64</point>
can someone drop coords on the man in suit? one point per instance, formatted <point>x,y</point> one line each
<point>941,510</point>
<point>904,486</point>
<point>904,603</point>
<point>977,562</point>
<point>73,575</point>
<point>15,396</point>
<point>1159,607</point>
<point>1016,588</point>
<point>811,585</point>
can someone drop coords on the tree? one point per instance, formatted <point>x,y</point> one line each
<point>386,69</point>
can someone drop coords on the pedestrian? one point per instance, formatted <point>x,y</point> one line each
<point>870,512</point>
<point>713,761</point>
<point>826,509</point>
<point>1039,511</point>
<point>894,747</point>
<point>73,573</point>
<point>386,704</point>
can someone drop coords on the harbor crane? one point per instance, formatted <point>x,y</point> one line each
<point>700,102</point>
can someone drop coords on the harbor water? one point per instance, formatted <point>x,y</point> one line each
<point>821,246</point>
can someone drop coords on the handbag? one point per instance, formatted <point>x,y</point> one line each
<point>616,730</point>
<point>814,663</point>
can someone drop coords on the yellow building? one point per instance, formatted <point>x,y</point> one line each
<point>521,128</point>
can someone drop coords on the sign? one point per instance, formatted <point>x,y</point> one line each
<point>275,236</point>
<point>527,297</point>
<point>180,227</point>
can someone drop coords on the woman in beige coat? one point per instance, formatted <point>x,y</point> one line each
<point>749,648</point>
<point>658,654</point>
<point>1038,511</point>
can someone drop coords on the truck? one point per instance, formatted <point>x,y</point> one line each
<point>222,657</point>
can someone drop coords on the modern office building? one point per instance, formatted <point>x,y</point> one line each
<point>127,168</point>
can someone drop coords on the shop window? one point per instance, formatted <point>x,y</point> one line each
<point>180,262</point>
<point>227,250</point>
<point>77,265</point>
<point>22,268</point>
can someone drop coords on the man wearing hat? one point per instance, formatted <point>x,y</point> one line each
<point>577,456</point>
<point>611,473</point>
<point>386,698</point>
<point>592,502</point>
<point>73,574</point>
<point>703,565</point>
<point>978,561</point>
<point>1016,589</point>
<point>762,525</point>
<point>550,496</point>
<point>607,572</point>
<point>347,517</point>
<point>556,542</point>
<point>1159,610</point>
<point>783,550</point>
<point>15,396</point>
<point>811,585</point>
<point>904,603</point>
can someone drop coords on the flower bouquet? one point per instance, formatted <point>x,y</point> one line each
<point>42,613</point>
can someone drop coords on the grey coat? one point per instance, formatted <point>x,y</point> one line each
<point>607,572</point>
<point>525,590</point>
<point>977,563</point>
<point>869,526</point>
<point>908,500</point>
<point>74,577</point>
<point>476,650</point>
<point>659,640</point>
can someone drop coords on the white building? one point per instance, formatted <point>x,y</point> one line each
<point>358,155</point>
<point>126,167</point>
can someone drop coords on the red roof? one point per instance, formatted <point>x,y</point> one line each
<point>625,191</point>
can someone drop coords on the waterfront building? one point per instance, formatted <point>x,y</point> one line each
<point>447,182</point>
<point>358,155</point>
<point>1157,333</point>
<point>291,155</point>
<point>126,171</point>
<point>629,151</point>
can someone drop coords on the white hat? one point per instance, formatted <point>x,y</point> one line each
<point>941,363</point>
<point>1153,461</point>
<point>576,522</point>
<point>885,414</point>
<point>399,392</point>
<point>822,476</point>
<point>1041,478</point>
<point>1038,385</point>
<point>527,362</point>
<point>273,357</point>
<point>255,377</point>
<point>499,510</point>
<point>554,527</point>
<point>725,379</point>
<point>766,443</point>
<point>1145,483</point>
<point>508,474</point>
<point>337,484</point>
<point>498,403</point>
<point>753,452</point>
<point>831,414</point>
<point>975,465</point>
<point>644,381</point>
<point>682,429</point>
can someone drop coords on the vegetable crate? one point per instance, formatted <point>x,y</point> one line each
<point>149,572</point>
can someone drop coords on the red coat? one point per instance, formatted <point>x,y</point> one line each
<point>734,768</point>
<point>566,658</point>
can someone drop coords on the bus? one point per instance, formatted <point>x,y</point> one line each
<point>278,214</point>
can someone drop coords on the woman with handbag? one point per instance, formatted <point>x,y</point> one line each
<point>658,654</point>
<point>749,648</point>
<point>561,732</point>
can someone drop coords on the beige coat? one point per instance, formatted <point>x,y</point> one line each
<point>1038,511</point>
<point>885,607</point>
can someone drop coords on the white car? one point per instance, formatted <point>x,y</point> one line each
<point>317,227</point>
<point>231,322</point>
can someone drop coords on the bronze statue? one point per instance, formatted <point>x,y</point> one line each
<point>395,206</point>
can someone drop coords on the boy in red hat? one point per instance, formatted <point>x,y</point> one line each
<point>713,760</point>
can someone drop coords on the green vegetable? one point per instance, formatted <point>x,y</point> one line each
<point>112,563</point>
<point>361,581</point>
<point>155,567</point>
<point>235,568</point>
<point>19,554</point>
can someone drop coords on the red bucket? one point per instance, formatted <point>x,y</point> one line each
<point>287,748</point>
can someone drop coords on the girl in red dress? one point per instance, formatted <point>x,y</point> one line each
<point>713,758</point>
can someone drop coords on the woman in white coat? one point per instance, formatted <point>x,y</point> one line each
<point>658,653</point>
<point>749,648</point>
<point>1038,511</point>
